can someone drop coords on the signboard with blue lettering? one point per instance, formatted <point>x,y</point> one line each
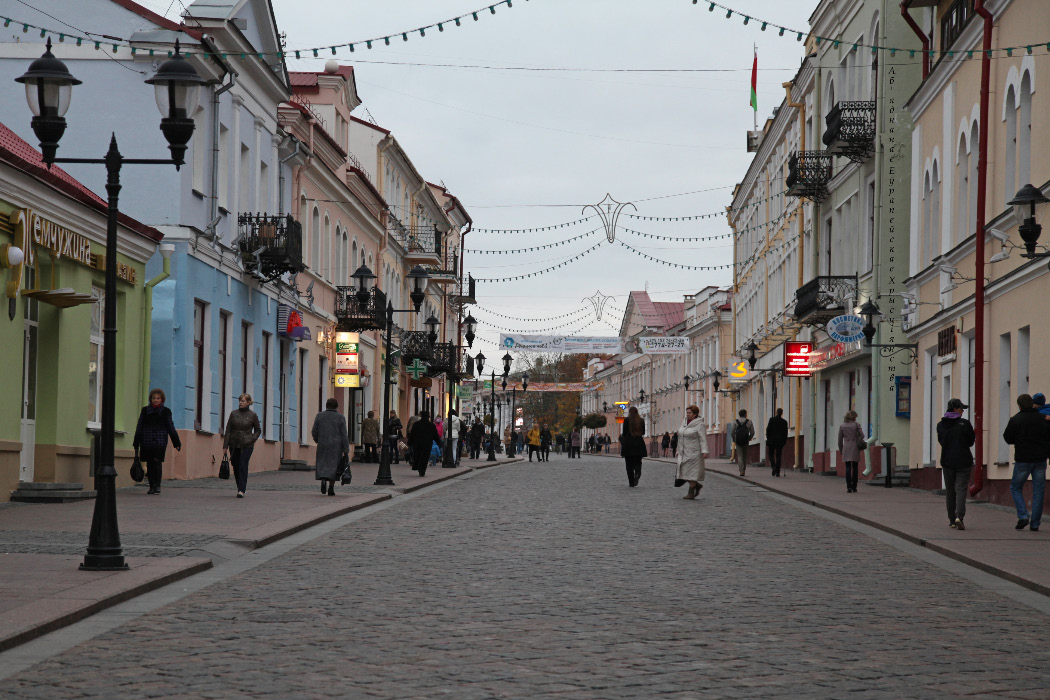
<point>848,328</point>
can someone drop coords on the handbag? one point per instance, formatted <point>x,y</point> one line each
<point>862,444</point>
<point>137,474</point>
<point>224,468</point>
<point>344,470</point>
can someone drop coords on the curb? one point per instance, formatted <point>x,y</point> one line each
<point>81,613</point>
<point>251,544</point>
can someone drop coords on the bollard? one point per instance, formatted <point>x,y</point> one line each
<point>887,448</point>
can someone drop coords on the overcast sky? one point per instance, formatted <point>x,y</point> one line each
<point>530,148</point>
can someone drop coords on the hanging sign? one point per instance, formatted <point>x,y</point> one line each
<point>739,373</point>
<point>347,361</point>
<point>290,324</point>
<point>560,343</point>
<point>848,328</point>
<point>658,345</point>
<point>796,359</point>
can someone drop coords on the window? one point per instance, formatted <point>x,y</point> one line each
<point>315,241</point>
<point>246,339</point>
<point>869,240</point>
<point>1024,347</point>
<point>1011,145</point>
<point>200,150</point>
<point>244,202</point>
<point>927,225</point>
<point>1005,395</point>
<point>962,190</point>
<point>264,188</point>
<point>954,20</point>
<point>265,369</point>
<point>1024,132</point>
<point>223,190</point>
<point>326,249</point>
<point>301,390</point>
<point>224,366</point>
<point>935,211</point>
<point>198,353</point>
<point>971,226</point>
<point>322,384</point>
<point>95,357</point>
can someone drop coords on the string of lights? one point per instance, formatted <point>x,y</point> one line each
<point>535,230</point>
<point>577,312</point>
<point>533,248</point>
<point>540,272</point>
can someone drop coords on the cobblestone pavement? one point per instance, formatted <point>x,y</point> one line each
<point>134,544</point>
<point>557,581</point>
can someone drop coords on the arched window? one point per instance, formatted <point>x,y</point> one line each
<point>344,259</point>
<point>1024,132</point>
<point>927,198</point>
<point>353,258</point>
<point>326,248</point>
<point>1011,144</point>
<point>962,190</point>
<point>315,241</point>
<point>935,211</point>
<point>972,218</point>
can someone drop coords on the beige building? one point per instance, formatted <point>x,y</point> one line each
<point>945,184</point>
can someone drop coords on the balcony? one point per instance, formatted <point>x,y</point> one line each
<point>823,298</point>
<point>415,346</point>
<point>353,316</point>
<point>851,130</point>
<point>447,269</point>
<point>443,359</point>
<point>422,244</point>
<point>808,174</point>
<point>270,246</point>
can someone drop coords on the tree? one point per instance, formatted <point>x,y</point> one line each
<point>487,420</point>
<point>578,423</point>
<point>595,421</point>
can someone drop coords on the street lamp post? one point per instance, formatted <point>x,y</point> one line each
<point>49,87</point>
<point>448,459</point>
<point>365,279</point>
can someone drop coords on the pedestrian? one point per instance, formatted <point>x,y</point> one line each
<point>850,437</point>
<point>454,429</point>
<point>509,439</point>
<point>440,425</point>
<point>1029,433</point>
<point>559,443</point>
<point>590,445</point>
<point>1040,405</point>
<point>477,436</point>
<point>692,460</point>
<point>333,444</point>
<point>393,435</point>
<point>370,437</point>
<point>665,443</point>
<point>151,438</point>
<point>545,444</point>
<point>534,441</point>
<point>632,445</point>
<point>421,438</point>
<point>743,432</point>
<point>776,438</point>
<point>956,437</point>
<point>608,441</point>
<point>575,443</point>
<point>674,444</point>
<point>242,430</point>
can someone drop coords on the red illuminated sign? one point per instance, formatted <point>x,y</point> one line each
<point>796,359</point>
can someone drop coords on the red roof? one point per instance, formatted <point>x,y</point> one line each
<point>157,19</point>
<point>19,154</point>
<point>658,314</point>
<point>369,124</point>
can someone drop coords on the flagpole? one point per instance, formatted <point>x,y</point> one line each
<point>755,110</point>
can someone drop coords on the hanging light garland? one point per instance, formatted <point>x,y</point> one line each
<point>534,230</point>
<point>540,272</point>
<point>577,312</point>
<point>533,248</point>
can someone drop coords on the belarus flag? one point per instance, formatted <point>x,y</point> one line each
<point>754,84</point>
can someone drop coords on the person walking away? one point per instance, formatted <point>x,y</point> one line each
<point>575,443</point>
<point>956,436</point>
<point>776,438</point>
<point>692,461</point>
<point>477,436</point>
<point>242,430</point>
<point>508,439</point>
<point>455,427</point>
<point>559,444</point>
<point>1029,433</point>
<point>608,441</point>
<point>743,432</point>
<point>545,443</point>
<point>333,443</point>
<point>534,441</point>
<point>850,436</point>
<point>421,439</point>
<point>151,438</point>
<point>393,434</point>
<point>674,444</point>
<point>370,437</point>
<point>665,444</point>
<point>632,445</point>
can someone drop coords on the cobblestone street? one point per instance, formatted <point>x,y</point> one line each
<point>558,581</point>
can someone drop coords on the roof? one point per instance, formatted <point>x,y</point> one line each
<point>19,154</point>
<point>155,18</point>
<point>658,314</point>
<point>369,124</point>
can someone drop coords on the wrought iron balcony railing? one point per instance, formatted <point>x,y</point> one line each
<point>851,130</point>
<point>270,246</point>
<point>415,346</point>
<point>418,241</point>
<point>447,269</point>
<point>823,298</point>
<point>443,359</point>
<point>808,174</point>
<point>354,316</point>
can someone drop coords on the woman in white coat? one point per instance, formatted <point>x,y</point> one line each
<point>692,451</point>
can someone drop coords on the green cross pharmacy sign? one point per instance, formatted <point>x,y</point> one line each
<point>416,370</point>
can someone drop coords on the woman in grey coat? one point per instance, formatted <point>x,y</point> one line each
<point>329,433</point>
<point>850,435</point>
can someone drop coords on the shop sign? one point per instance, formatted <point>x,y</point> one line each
<point>738,372</point>
<point>819,358</point>
<point>62,243</point>
<point>347,362</point>
<point>848,328</point>
<point>664,345</point>
<point>125,273</point>
<point>621,410</point>
<point>290,324</point>
<point>796,359</point>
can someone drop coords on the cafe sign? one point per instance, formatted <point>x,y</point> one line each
<point>62,242</point>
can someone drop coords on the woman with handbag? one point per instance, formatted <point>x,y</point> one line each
<point>151,438</point>
<point>421,438</point>
<point>692,452</point>
<point>242,430</point>
<point>632,445</point>
<point>333,444</point>
<point>851,442</point>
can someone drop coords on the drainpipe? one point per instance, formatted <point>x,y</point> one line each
<point>922,36</point>
<point>166,249</point>
<point>280,174</point>
<point>978,297</point>
<point>801,107</point>
<point>215,218</point>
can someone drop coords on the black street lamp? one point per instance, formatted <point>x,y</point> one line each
<point>365,280</point>
<point>605,406</point>
<point>1029,230</point>
<point>492,434</point>
<point>471,323</point>
<point>752,348</point>
<point>871,313</point>
<point>49,89</point>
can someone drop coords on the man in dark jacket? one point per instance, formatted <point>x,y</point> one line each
<point>1029,432</point>
<point>956,436</point>
<point>477,436</point>
<point>776,438</point>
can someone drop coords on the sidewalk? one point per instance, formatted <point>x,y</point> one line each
<point>989,543</point>
<point>167,537</point>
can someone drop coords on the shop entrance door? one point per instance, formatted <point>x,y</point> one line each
<point>28,433</point>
